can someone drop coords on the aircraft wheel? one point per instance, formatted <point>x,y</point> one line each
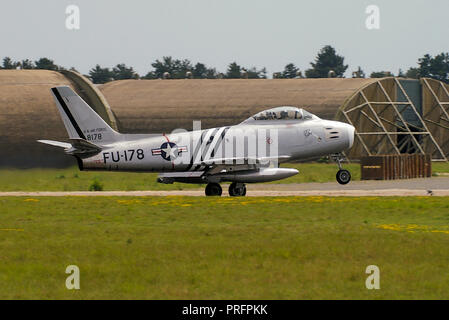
<point>237,189</point>
<point>213,189</point>
<point>343,176</point>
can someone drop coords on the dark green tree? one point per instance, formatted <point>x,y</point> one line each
<point>211,73</point>
<point>100,75</point>
<point>412,73</point>
<point>234,71</point>
<point>199,71</point>
<point>434,67</point>
<point>175,67</point>
<point>254,73</point>
<point>381,74</point>
<point>289,72</point>
<point>8,63</point>
<point>46,64</point>
<point>326,60</point>
<point>122,72</point>
<point>27,64</point>
<point>150,76</point>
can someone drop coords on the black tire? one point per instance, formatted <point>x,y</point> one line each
<point>213,189</point>
<point>343,176</point>
<point>237,189</point>
<point>231,190</point>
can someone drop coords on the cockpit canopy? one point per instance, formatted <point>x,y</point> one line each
<point>282,113</point>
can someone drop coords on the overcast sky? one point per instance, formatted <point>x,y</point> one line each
<point>261,33</point>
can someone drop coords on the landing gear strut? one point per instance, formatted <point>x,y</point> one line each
<point>213,189</point>
<point>237,189</point>
<point>343,176</point>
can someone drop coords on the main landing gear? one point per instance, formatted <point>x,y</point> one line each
<point>343,176</point>
<point>213,189</point>
<point>235,189</point>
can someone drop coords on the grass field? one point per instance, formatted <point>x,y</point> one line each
<point>224,248</point>
<point>72,179</point>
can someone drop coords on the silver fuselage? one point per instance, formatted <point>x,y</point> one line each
<point>291,140</point>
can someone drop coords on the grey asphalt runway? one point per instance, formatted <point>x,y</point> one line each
<point>413,187</point>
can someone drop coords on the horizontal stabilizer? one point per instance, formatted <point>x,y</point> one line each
<point>79,147</point>
<point>64,145</point>
<point>82,144</point>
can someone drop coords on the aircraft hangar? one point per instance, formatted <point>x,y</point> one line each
<point>391,115</point>
<point>28,113</point>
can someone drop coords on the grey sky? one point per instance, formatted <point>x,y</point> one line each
<point>216,32</point>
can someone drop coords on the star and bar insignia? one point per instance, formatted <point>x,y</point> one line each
<point>169,151</point>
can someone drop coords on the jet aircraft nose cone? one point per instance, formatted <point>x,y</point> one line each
<point>350,130</point>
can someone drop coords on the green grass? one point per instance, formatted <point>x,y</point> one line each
<point>71,179</point>
<point>440,167</point>
<point>224,248</point>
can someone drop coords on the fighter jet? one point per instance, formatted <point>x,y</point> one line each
<point>248,152</point>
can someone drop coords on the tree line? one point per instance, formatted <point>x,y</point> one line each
<point>326,64</point>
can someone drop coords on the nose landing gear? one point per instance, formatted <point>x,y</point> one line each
<point>343,176</point>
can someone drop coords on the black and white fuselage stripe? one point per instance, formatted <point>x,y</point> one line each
<point>204,145</point>
<point>219,136</point>
<point>195,152</point>
<point>207,147</point>
<point>210,145</point>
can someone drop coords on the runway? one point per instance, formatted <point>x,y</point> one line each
<point>412,187</point>
<point>253,193</point>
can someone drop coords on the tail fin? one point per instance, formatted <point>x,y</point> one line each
<point>80,120</point>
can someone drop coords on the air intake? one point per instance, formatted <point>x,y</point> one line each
<point>331,133</point>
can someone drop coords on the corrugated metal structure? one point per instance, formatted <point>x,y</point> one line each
<point>389,167</point>
<point>396,116</point>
